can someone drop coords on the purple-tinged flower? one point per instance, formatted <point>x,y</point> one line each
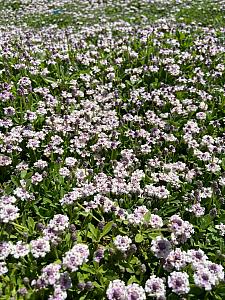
<point>51,274</point>
<point>40,164</point>
<point>181,230</point>
<point>5,160</point>
<point>197,209</point>
<point>138,216</point>
<point>5,249</point>
<point>64,171</point>
<point>39,247</point>
<point>176,259</point>
<point>50,234</point>
<point>221,228</point>
<point>176,223</point>
<point>36,178</point>
<point>122,243</point>
<point>99,254</point>
<point>155,287</point>
<point>196,257</point>
<point>76,257</point>
<point>216,270</point>
<point>179,282</point>
<point>116,290</point>
<point>58,294</point>
<point>59,222</point>
<point>3,268</point>
<point>204,278</point>
<point>20,249</point>
<point>135,292</point>
<point>22,291</point>
<point>161,247</point>
<point>6,199</point>
<point>65,281</point>
<point>156,221</point>
<point>9,212</point>
<point>9,111</point>
<point>70,161</point>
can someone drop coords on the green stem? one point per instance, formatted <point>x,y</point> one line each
<point>19,226</point>
<point>81,206</point>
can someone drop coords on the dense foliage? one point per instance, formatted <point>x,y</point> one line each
<point>112,142</point>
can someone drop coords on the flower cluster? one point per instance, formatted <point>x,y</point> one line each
<point>118,290</point>
<point>76,257</point>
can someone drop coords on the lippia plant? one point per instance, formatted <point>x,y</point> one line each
<point>112,167</point>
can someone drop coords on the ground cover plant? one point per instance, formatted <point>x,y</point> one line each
<point>112,142</point>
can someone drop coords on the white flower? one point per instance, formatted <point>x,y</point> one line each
<point>122,243</point>
<point>39,247</point>
<point>76,257</point>
<point>155,287</point>
<point>3,268</point>
<point>179,283</point>
<point>116,290</point>
<point>20,249</point>
<point>135,291</point>
<point>221,228</point>
<point>156,221</point>
<point>9,213</point>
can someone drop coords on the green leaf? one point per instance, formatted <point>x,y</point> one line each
<point>139,238</point>
<point>23,174</point>
<point>129,270</point>
<point>31,224</point>
<point>107,228</point>
<point>88,269</point>
<point>221,218</point>
<point>134,260</point>
<point>14,180</point>
<point>196,291</point>
<point>132,279</point>
<point>58,261</point>
<point>147,216</point>
<point>80,276</point>
<point>221,290</point>
<point>173,297</point>
<point>205,221</point>
<point>97,285</point>
<point>49,79</point>
<point>223,163</point>
<point>94,232</point>
<point>154,235</point>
